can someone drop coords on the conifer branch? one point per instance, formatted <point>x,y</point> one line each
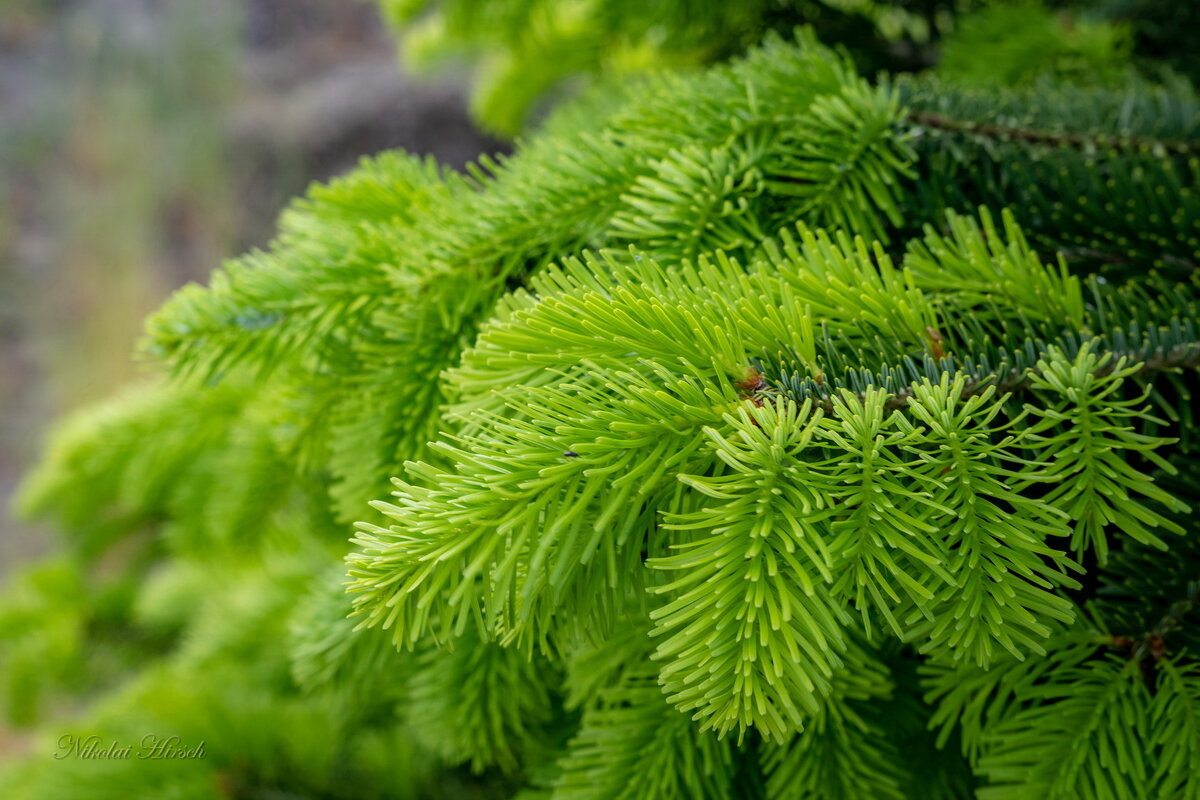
<point>1182,356</point>
<point>1093,141</point>
<point>706,508</point>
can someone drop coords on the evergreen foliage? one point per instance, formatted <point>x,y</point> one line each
<point>759,431</point>
<point>1010,44</point>
<point>527,49</point>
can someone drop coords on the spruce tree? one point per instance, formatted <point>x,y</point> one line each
<point>762,430</point>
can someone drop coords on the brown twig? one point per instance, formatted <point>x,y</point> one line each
<point>1079,141</point>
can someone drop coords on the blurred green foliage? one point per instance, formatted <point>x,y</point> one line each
<point>529,53</point>
<point>530,49</point>
<point>1016,43</point>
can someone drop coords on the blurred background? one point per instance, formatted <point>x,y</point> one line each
<point>143,141</point>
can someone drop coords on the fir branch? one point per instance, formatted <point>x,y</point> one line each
<point>1086,735</point>
<point>633,746</point>
<point>1081,141</point>
<point>1183,356</point>
<point>477,703</point>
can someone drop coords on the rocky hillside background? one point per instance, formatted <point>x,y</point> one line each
<point>142,141</point>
